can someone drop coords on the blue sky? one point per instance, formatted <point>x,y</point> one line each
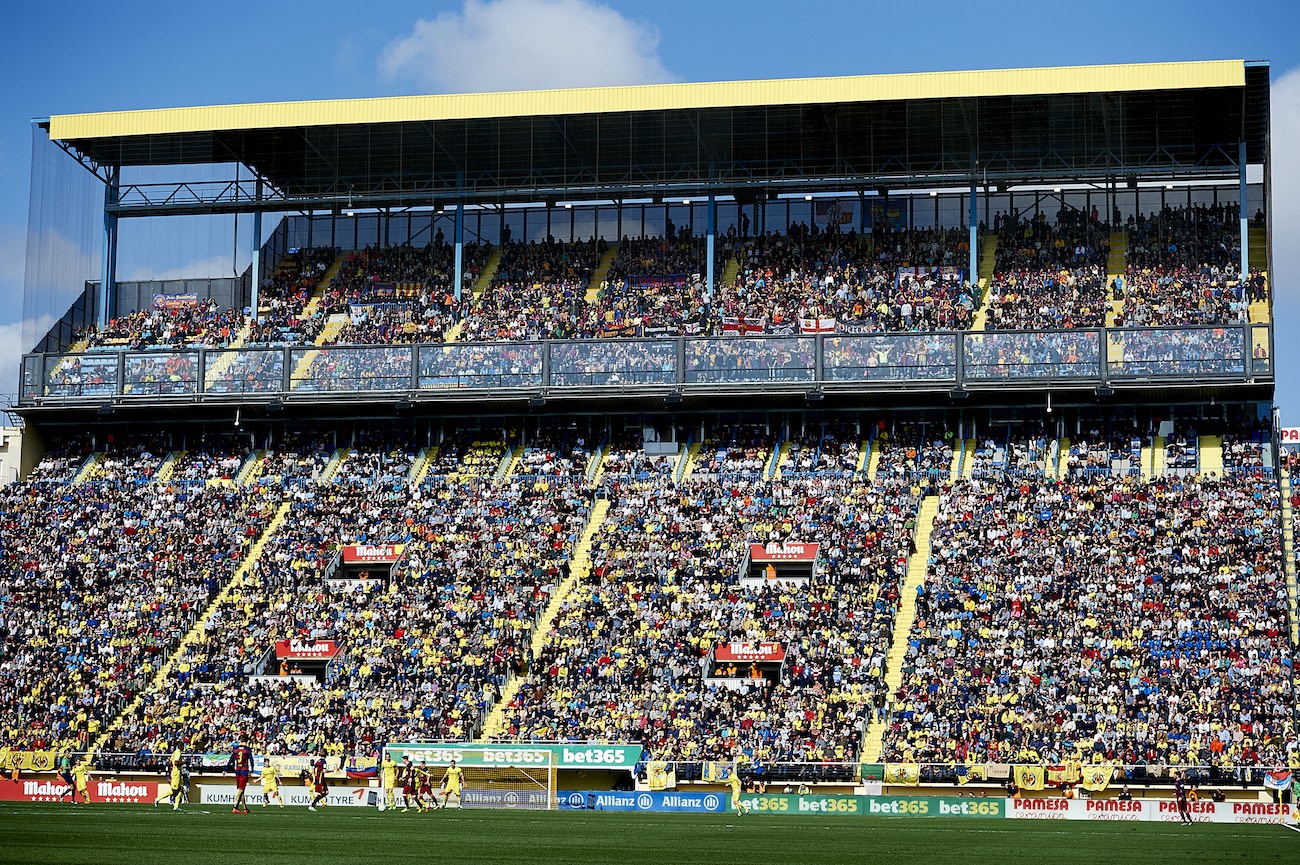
<point>75,57</point>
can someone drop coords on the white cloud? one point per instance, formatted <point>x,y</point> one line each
<point>526,45</point>
<point>1285,197</point>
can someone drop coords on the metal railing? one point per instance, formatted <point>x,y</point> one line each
<point>943,360</point>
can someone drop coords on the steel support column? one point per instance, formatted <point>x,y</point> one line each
<point>255,270</point>
<point>974,232</point>
<point>1244,214</point>
<point>108,260</point>
<point>712,232</point>
<point>458,271</point>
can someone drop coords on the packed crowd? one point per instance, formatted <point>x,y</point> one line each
<point>1049,275</point>
<point>538,292</point>
<point>424,653</point>
<point>98,584</point>
<point>1105,620</point>
<point>626,658</point>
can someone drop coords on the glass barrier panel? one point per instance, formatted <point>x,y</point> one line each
<point>32,385</point>
<point>1261,349</point>
<point>160,373</point>
<point>368,368</point>
<point>1017,355</point>
<point>482,365</point>
<point>578,364</point>
<point>898,357</point>
<point>245,370</point>
<point>1176,351</point>
<point>77,375</point>
<point>751,360</point>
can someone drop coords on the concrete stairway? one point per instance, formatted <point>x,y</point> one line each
<point>779,459</point>
<point>251,468</point>
<point>509,462</point>
<point>958,451</point>
<point>1288,557</point>
<point>1210,455</point>
<point>917,567</point>
<point>730,271</point>
<point>194,634</point>
<point>601,271</point>
<point>1116,263</point>
<point>332,467</point>
<point>596,465</point>
<point>481,284</point>
<point>686,463</point>
<point>579,570</point>
<point>1144,469</point>
<point>988,261</point>
<point>1258,238</point>
<point>1062,467</point>
<point>872,459</point>
<point>89,468</point>
<point>420,467</point>
<point>168,467</point>
<point>968,459</point>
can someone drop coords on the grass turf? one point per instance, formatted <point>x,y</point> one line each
<point>140,835</point>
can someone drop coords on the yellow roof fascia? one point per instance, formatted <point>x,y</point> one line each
<point>654,97</point>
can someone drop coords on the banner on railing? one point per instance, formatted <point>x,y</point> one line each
<point>902,773</point>
<point>741,326</point>
<point>175,301</point>
<point>27,761</point>
<point>1030,777</point>
<point>816,325</point>
<point>659,281</point>
<point>661,775</point>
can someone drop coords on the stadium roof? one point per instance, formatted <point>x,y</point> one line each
<point>1089,122</point>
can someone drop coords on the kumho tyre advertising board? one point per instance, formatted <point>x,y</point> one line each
<point>522,755</point>
<point>293,796</point>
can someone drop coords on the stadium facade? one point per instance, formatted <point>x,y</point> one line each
<point>885,295</point>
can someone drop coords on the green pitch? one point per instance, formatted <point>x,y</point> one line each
<point>138,835</point>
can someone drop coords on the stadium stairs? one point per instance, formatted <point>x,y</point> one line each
<point>1288,557</point>
<point>596,465</point>
<point>968,459</point>
<point>869,458</point>
<point>89,468</point>
<point>192,636</point>
<point>332,467</point>
<point>1116,263</point>
<point>1158,457</point>
<point>1210,452</point>
<point>599,274</point>
<point>168,467</point>
<point>509,462</point>
<point>251,469</point>
<point>917,566</point>
<point>480,287</point>
<point>420,467</point>
<point>988,260</point>
<point>958,453</point>
<point>686,465</point>
<point>333,326</point>
<point>780,457</point>
<point>730,271</point>
<point>1259,309</point>
<point>1062,467</point>
<point>1144,470</point>
<point>579,570</point>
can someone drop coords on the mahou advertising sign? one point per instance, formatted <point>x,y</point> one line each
<point>761,553</point>
<point>750,652</point>
<point>365,554</point>
<point>41,790</point>
<point>305,650</point>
